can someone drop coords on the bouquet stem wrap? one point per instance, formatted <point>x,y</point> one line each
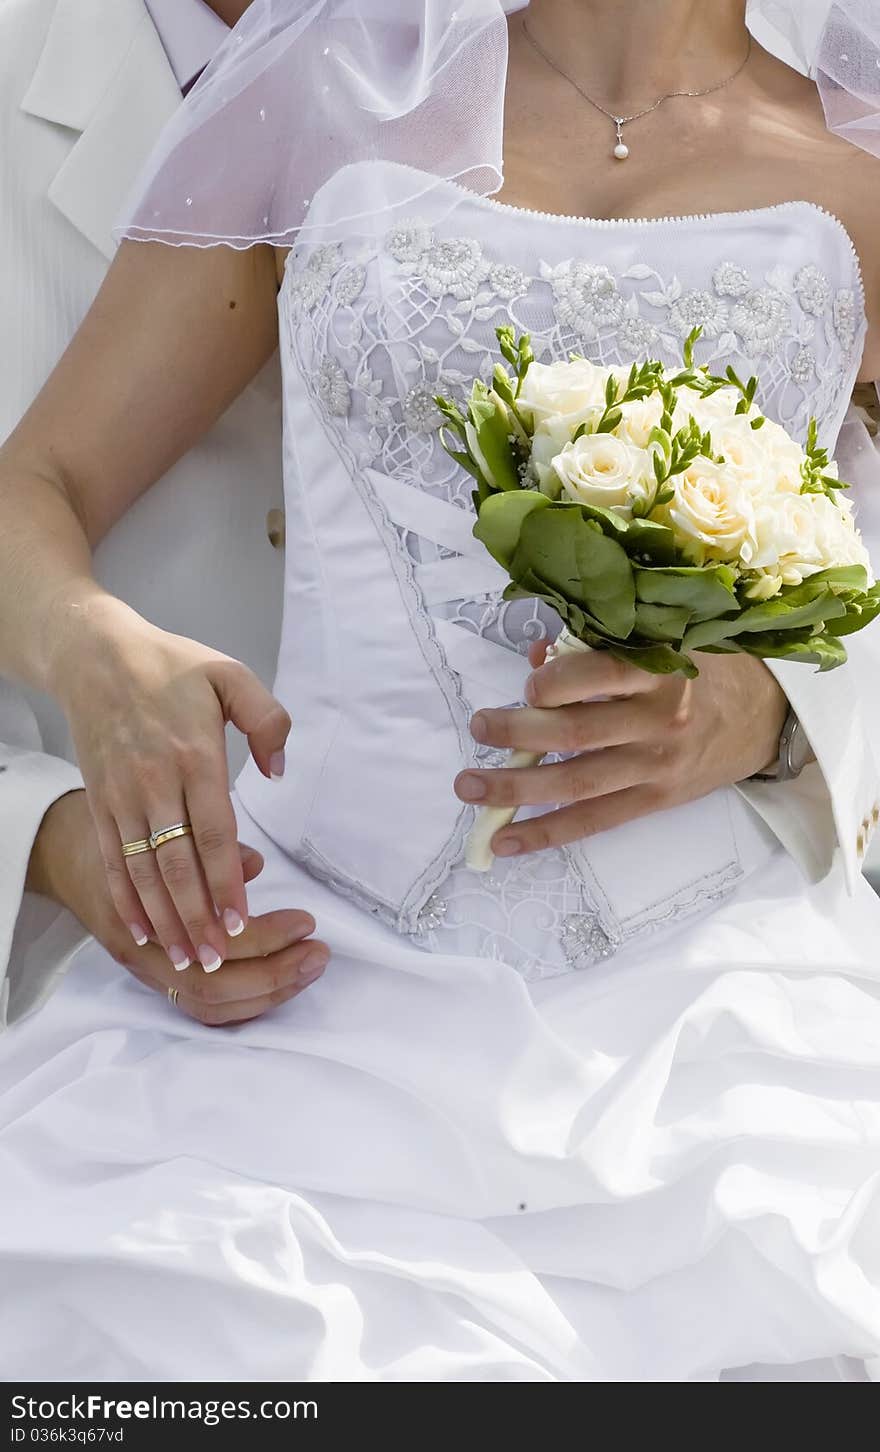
<point>479,856</point>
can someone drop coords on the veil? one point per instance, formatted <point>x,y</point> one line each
<point>302,91</point>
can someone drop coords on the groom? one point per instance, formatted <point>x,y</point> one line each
<point>86,86</point>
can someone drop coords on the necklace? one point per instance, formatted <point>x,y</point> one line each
<point>621,150</point>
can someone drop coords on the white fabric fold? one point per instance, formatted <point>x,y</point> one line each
<point>662,1168</point>
<point>30,782</point>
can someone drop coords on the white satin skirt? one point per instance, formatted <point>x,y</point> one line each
<point>666,1167</point>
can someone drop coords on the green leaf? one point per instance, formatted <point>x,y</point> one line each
<point>823,650</point>
<point>707,593</point>
<point>642,537</point>
<point>773,615</point>
<point>659,660</point>
<point>580,562</point>
<point>491,428</point>
<point>843,577</point>
<point>466,462</point>
<point>859,613</point>
<point>501,518</point>
<point>662,622</point>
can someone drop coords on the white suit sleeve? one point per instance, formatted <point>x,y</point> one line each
<point>37,939</point>
<point>833,809</point>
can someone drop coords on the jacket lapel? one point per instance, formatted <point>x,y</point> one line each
<point>102,73</point>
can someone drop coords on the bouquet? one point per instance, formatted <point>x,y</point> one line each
<point>660,514</point>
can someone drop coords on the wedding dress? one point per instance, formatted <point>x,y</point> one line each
<point>611,1113</point>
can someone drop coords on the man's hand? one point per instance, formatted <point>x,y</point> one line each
<point>656,742</point>
<point>273,960</point>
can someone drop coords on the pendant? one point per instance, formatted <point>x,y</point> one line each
<point>621,150</point>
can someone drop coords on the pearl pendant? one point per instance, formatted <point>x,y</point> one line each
<point>621,151</point>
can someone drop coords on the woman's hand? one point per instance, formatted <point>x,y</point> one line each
<point>147,711</point>
<point>656,742</point>
<point>272,961</point>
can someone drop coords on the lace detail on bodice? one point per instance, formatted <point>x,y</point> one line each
<point>386,327</point>
<point>378,328</point>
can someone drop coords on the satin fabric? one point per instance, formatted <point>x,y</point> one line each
<point>665,1168</point>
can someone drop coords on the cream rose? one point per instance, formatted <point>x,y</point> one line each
<point>718,407</point>
<point>639,418</point>
<point>795,535</point>
<point>784,539</point>
<point>712,512</point>
<point>740,447</point>
<point>838,540</point>
<point>563,391</point>
<point>550,439</point>
<point>604,470</point>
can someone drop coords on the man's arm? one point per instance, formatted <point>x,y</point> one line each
<point>37,938</point>
<point>835,805</point>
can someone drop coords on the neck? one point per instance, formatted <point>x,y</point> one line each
<point>229,10</point>
<point>625,60</point>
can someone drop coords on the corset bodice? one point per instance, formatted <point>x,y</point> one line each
<point>394,628</point>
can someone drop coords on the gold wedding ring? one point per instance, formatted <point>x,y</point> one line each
<point>173,995</point>
<point>168,834</point>
<point>133,849</point>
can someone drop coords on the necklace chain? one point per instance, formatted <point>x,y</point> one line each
<point>621,150</point>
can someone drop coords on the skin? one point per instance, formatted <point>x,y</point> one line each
<point>272,961</point>
<point>146,708</point>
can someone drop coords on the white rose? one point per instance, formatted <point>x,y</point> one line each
<point>778,444</point>
<point>796,535</point>
<point>564,390</point>
<point>740,447</point>
<point>784,538</point>
<point>639,418</point>
<point>604,470</point>
<point>712,511</point>
<point>718,407</point>
<point>838,542</point>
<point>550,439</point>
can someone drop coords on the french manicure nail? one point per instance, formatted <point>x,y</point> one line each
<point>138,934</point>
<point>233,923</point>
<point>472,788</point>
<point>276,765</point>
<point>209,959</point>
<point>180,959</point>
<point>312,968</point>
<point>508,847</point>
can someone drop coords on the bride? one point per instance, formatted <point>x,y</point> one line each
<point>613,1111</point>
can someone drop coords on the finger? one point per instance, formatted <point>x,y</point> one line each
<point>583,727</point>
<point>219,1013</point>
<point>575,823</point>
<point>583,677</point>
<point>146,878</point>
<point>254,710</point>
<point>252,862</point>
<point>537,653</point>
<point>592,774</point>
<point>273,932</point>
<point>180,869</point>
<point>231,1015</point>
<point>123,892</point>
<point>215,834</point>
<point>297,965</point>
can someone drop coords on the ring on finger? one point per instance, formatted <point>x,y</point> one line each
<point>173,995</point>
<point>134,849</point>
<point>169,834</point>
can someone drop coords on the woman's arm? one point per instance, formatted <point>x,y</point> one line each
<point>173,337</point>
